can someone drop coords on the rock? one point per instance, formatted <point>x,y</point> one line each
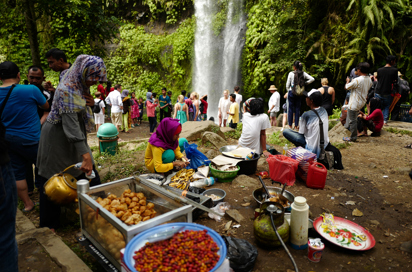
<point>357,212</point>
<point>211,154</point>
<point>226,129</point>
<point>227,226</point>
<point>337,133</point>
<point>193,130</point>
<point>374,222</point>
<point>247,199</point>
<point>279,120</point>
<point>214,139</point>
<point>235,215</point>
<point>246,181</point>
<point>262,162</point>
<point>372,165</point>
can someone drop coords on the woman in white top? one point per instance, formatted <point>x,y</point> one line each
<point>295,100</point>
<point>224,105</point>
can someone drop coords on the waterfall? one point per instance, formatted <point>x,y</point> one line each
<point>217,57</point>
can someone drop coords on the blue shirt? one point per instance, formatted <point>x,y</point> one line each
<point>20,114</point>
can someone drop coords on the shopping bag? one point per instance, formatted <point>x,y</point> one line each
<point>282,169</point>
<point>196,157</point>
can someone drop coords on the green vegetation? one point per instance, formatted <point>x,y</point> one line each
<point>398,131</point>
<point>235,134</point>
<point>277,139</point>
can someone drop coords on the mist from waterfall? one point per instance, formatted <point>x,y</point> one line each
<point>217,58</point>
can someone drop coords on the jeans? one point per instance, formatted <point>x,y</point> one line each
<point>294,137</point>
<point>386,103</point>
<point>152,123</point>
<point>294,108</point>
<point>22,152</point>
<point>49,211</point>
<point>8,209</point>
<point>352,124</point>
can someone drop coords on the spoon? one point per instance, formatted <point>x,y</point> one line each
<point>264,187</point>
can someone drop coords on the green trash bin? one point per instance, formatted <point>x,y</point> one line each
<point>108,136</point>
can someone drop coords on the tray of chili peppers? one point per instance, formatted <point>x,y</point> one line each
<point>176,247</point>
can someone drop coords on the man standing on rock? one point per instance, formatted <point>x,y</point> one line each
<point>359,88</point>
<point>387,76</point>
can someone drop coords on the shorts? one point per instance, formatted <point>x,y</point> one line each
<point>99,118</point>
<point>233,125</point>
<point>273,114</point>
<point>117,118</point>
<point>21,152</point>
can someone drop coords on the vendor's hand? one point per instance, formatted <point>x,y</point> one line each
<point>87,164</point>
<point>266,153</point>
<point>89,100</point>
<point>179,164</point>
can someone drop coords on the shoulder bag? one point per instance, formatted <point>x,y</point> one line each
<point>325,157</point>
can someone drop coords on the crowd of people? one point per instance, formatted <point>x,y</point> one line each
<point>46,126</point>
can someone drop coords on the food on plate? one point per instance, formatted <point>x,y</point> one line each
<point>182,179</point>
<point>186,251</point>
<point>130,207</point>
<point>275,198</point>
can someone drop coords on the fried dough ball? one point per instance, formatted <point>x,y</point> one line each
<point>122,200</point>
<point>147,213</point>
<point>136,212</point>
<point>98,200</point>
<point>120,214</point>
<point>146,218</point>
<point>133,205</point>
<point>142,202</point>
<point>142,208</point>
<point>153,214</point>
<point>140,195</point>
<point>135,199</point>
<point>126,216</point>
<point>128,201</point>
<point>137,208</point>
<point>115,203</point>
<point>112,196</point>
<point>150,205</point>
<point>122,207</point>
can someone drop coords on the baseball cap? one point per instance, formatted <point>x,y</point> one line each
<point>308,94</point>
<point>8,70</point>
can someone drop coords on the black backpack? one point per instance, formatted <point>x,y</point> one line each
<point>96,107</point>
<point>404,88</point>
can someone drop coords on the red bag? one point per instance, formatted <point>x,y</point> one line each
<point>282,169</point>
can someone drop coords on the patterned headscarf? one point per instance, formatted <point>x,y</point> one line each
<point>69,94</point>
<point>247,104</point>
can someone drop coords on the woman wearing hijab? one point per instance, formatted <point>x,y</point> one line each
<point>63,140</point>
<point>126,108</point>
<point>151,105</point>
<point>373,121</point>
<point>165,148</point>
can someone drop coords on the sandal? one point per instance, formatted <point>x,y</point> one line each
<point>408,146</point>
<point>27,211</point>
<point>347,139</point>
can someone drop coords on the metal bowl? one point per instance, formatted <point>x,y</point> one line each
<point>227,148</point>
<point>217,192</point>
<point>258,194</point>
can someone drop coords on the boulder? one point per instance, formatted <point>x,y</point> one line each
<point>262,164</point>
<point>193,130</point>
<point>337,133</point>
<point>211,154</point>
<point>214,139</point>
<point>246,181</point>
<point>279,120</point>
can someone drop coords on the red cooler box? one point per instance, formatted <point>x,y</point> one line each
<point>304,157</point>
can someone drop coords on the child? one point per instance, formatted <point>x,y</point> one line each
<point>141,107</point>
<point>233,112</point>
<point>134,110</point>
<point>151,105</point>
<point>181,111</point>
<point>126,108</point>
<point>373,122</point>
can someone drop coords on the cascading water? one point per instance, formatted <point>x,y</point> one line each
<point>217,55</point>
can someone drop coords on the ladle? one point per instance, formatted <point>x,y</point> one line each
<point>273,209</point>
<point>266,189</point>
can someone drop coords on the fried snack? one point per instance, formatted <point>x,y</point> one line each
<point>130,207</point>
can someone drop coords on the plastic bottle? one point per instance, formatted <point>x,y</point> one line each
<point>250,156</point>
<point>201,183</point>
<point>299,223</point>
<point>285,150</point>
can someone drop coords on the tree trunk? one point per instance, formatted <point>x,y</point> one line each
<point>30,18</point>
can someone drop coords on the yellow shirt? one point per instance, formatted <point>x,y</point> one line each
<point>153,159</point>
<point>234,109</point>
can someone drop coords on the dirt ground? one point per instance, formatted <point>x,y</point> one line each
<point>375,178</point>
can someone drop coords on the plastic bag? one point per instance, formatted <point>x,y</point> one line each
<point>241,254</point>
<point>220,208</point>
<point>282,169</point>
<point>196,157</point>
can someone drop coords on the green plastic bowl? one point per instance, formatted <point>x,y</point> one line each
<point>224,176</point>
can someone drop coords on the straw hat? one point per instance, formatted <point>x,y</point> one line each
<point>273,88</point>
